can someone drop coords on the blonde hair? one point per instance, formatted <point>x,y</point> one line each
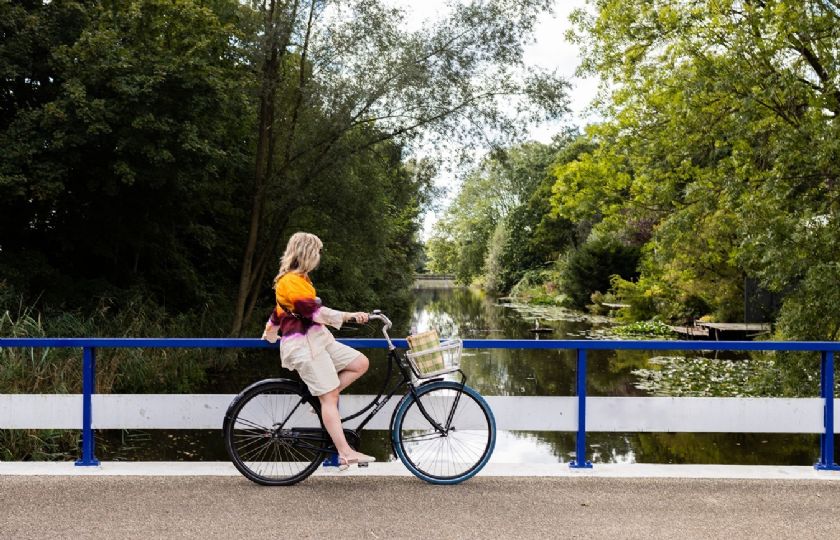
<point>302,255</point>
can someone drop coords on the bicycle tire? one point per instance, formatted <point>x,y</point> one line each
<point>441,458</point>
<point>261,451</point>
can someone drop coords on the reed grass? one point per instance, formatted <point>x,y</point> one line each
<point>59,370</point>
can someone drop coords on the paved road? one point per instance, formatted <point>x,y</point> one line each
<point>380,507</point>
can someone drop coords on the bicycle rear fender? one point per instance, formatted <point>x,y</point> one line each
<point>290,382</point>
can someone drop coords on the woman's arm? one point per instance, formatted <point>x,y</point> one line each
<point>335,318</point>
<point>332,317</point>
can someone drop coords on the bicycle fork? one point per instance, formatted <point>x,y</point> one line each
<point>444,430</point>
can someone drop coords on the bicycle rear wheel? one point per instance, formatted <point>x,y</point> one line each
<point>271,436</point>
<point>457,452</point>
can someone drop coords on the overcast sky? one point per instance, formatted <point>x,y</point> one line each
<point>550,50</point>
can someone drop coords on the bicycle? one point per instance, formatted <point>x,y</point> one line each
<point>443,431</point>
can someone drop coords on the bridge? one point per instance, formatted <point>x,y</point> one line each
<point>209,499</point>
<point>434,281</point>
<point>335,506</point>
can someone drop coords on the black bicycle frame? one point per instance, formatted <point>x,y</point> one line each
<point>406,372</point>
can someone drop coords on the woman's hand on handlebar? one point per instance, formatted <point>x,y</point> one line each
<point>359,317</point>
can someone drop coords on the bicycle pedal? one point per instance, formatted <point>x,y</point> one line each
<point>364,464</point>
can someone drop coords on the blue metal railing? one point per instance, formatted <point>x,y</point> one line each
<point>827,349</point>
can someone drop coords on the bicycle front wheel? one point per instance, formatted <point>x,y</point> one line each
<point>446,434</point>
<point>271,436</point>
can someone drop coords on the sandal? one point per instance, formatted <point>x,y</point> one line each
<point>344,463</point>
<point>364,459</point>
<point>361,461</point>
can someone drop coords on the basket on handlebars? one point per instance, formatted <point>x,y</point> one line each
<point>429,356</point>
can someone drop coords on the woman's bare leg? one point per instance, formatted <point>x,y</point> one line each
<point>329,406</point>
<point>353,371</point>
<point>332,421</point>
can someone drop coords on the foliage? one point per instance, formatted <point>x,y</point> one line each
<point>647,298</point>
<point>719,151</point>
<point>494,266</point>
<point>539,287</point>
<point>121,126</point>
<point>131,131</point>
<point>591,267</point>
<point>118,370</point>
<point>59,370</point>
<point>442,250</point>
<point>498,226</point>
<point>337,79</point>
<point>645,328</point>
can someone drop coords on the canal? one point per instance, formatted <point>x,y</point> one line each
<point>471,314</point>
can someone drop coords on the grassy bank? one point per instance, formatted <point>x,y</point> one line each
<point>59,371</point>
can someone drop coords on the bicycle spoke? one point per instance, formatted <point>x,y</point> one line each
<point>247,422</point>
<point>446,455</point>
<point>424,437</point>
<point>270,454</point>
<point>253,443</point>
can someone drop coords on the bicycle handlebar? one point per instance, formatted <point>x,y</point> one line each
<point>381,316</point>
<point>386,325</point>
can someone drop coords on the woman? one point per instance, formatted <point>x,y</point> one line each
<point>326,366</point>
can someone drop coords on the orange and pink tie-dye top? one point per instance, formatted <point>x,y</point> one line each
<point>298,309</point>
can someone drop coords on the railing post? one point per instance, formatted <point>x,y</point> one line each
<point>88,382</point>
<point>826,462</point>
<point>580,452</point>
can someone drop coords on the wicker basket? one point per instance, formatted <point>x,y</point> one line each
<point>429,356</point>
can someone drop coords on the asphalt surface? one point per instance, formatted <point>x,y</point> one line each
<point>395,507</point>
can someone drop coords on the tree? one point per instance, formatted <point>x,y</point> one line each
<point>499,225</point>
<point>331,71</point>
<point>589,269</point>
<point>536,237</point>
<point>442,250</point>
<point>122,126</point>
<point>131,135</point>
<point>720,142</point>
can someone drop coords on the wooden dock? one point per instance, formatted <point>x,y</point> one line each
<point>722,331</point>
<point>691,332</point>
<point>730,331</point>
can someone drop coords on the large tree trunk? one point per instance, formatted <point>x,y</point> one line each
<point>276,43</point>
<point>254,268</point>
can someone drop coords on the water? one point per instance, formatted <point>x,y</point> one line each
<point>471,314</point>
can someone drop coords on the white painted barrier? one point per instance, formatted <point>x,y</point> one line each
<point>516,413</point>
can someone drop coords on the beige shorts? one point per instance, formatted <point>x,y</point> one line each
<point>320,370</point>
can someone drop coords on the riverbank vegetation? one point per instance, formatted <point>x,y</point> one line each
<point>711,189</point>
<point>157,155</point>
<point>164,151</point>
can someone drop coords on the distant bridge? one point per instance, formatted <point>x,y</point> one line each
<point>434,281</point>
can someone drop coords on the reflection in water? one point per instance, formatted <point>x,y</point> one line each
<point>470,314</point>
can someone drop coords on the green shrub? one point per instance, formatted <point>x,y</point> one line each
<point>589,268</point>
<point>652,327</point>
<point>639,297</point>
<point>539,287</point>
